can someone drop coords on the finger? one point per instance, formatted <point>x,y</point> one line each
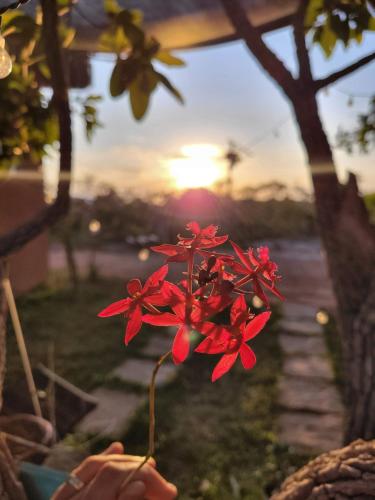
<point>115,448</point>
<point>107,482</point>
<point>135,491</point>
<point>156,486</point>
<point>87,470</point>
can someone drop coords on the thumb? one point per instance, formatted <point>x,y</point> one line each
<point>115,448</point>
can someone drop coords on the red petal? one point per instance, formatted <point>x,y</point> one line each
<point>212,305</point>
<point>181,257</point>
<point>156,277</point>
<point>259,291</point>
<point>134,286</point>
<point>215,332</point>
<point>134,324</point>
<point>272,289</point>
<point>209,231</point>
<point>181,345</point>
<point>224,365</point>
<point>116,308</point>
<point>164,319</point>
<point>252,258</point>
<point>241,255</point>
<point>213,242</point>
<point>193,227</point>
<point>170,250</point>
<point>211,346</point>
<point>238,312</point>
<point>248,357</point>
<point>256,325</point>
<point>239,268</point>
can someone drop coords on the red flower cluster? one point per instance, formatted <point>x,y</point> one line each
<point>209,288</point>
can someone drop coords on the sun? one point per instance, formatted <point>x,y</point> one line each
<point>199,165</point>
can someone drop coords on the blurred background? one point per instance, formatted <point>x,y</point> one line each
<point>257,116</point>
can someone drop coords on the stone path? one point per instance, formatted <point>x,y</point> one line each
<point>116,407</point>
<point>311,419</point>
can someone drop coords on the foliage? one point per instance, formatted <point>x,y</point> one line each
<point>333,21</point>
<point>28,124</point>
<point>85,363</point>
<point>134,70</point>
<point>363,135</point>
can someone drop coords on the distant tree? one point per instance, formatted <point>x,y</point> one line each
<point>363,135</point>
<point>345,229</point>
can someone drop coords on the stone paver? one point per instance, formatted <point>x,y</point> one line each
<point>302,344</point>
<point>158,345</point>
<point>300,327</point>
<point>311,432</point>
<point>309,394</point>
<point>114,410</point>
<point>308,366</point>
<point>140,370</point>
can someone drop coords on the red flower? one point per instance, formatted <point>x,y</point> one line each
<point>201,239</point>
<point>260,270</point>
<point>184,319</point>
<point>150,294</point>
<point>231,340</point>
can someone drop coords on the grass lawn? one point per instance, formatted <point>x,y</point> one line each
<point>214,441</point>
<point>86,347</point>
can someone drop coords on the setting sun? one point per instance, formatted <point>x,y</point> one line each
<point>199,165</point>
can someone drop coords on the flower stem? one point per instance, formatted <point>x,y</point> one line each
<point>190,273</point>
<point>151,431</point>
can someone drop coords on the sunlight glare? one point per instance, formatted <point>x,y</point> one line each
<point>198,166</point>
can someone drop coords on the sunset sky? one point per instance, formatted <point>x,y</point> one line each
<point>227,96</point>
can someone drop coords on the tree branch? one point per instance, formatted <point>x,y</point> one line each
<point>18,237</point>
<point>303,58</point>
<point>253,39</point>
<point>344,72</point>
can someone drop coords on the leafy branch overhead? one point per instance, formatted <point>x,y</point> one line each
<point>28,123</point>
<point>134,70</point>
<point>363,135</point>
<point>333,21</point>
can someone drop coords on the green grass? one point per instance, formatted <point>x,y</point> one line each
<point>214,441</point>
<point>86,347</point>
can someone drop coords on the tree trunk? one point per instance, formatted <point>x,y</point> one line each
<point>349,241</point>
<point>70,259</point>
<point>348,473</point>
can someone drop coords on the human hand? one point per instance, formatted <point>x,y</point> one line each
<point>103,477</point>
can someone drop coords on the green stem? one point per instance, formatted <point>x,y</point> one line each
<point>151,431</point>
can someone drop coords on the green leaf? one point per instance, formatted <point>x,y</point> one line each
<point>44,70</point>
<point>124,72</point>
<point>327,40</point>
<point>111,7</point>
<point>133,32</point>
<point>114,40</point>
<point>166,57</point>
<point>371,24</point>
<point>139,100</point>
<point>167,84</point>
<point>313,10</point>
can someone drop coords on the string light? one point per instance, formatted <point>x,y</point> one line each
<point>5,60</point>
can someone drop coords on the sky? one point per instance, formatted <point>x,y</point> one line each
<point>227,97</point>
